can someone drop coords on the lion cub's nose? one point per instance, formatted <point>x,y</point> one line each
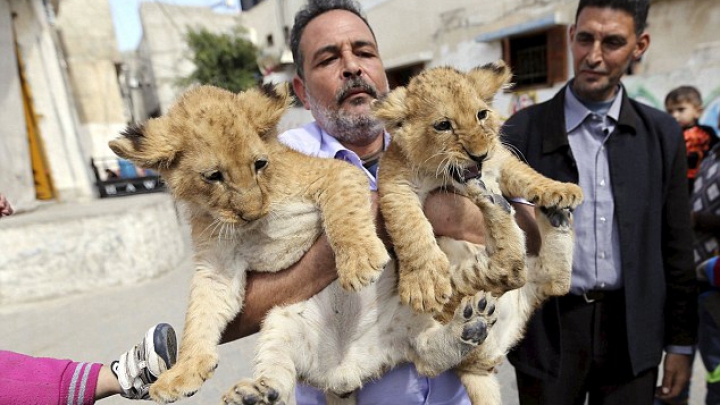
<point>479,159</point>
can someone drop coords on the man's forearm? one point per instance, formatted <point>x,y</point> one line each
<point>310,275</point>
<point>525,217</point>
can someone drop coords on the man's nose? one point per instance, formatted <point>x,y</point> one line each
<point>351,67</point>
<point>594,57</point>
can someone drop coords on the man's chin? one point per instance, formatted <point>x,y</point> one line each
<point>590,89</point>
<point>358,107</point>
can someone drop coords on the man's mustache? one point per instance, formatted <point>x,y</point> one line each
<point>354,85</point>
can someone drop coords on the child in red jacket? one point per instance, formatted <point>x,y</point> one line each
<point>685,105</point>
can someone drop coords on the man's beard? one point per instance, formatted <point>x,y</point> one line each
<point>348,127</point>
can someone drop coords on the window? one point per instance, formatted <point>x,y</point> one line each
<point>538,59</point>
<point>401,76</point>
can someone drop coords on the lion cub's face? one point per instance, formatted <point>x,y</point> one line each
<point>442,120</point>
<point>213,148</point>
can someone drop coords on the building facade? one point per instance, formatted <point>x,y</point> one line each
<point>531,35</point>
<point>163,55</point>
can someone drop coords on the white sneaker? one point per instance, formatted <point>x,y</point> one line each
<point>140,366</point>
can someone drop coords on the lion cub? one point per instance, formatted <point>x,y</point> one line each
<point>446,135</point>
<point>255,204</point>
<point>252,204</point>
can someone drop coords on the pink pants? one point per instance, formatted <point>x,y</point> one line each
<point>26,380</point>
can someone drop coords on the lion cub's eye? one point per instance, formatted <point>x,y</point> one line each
<point>260,164</point>
<point>482,114</point>
<point>443,125</point>
<point>213,176</point>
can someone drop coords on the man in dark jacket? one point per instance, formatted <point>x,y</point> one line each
<point>633,291</point>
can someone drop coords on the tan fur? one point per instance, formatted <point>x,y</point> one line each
<point>252,204</point>
<point>339,338</point>
<point>441,123</point>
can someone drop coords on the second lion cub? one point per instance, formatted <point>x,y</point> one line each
<point>446,134</point>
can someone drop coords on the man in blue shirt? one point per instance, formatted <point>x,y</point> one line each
<point>633,291</point>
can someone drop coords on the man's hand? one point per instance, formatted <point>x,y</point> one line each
<point>676,373</point>
<point>5,208</point>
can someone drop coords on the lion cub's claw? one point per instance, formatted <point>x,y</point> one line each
<point>477,315</point>
<point>183,379</point>
<point>359,269</point>
<point>249,392</point>
<point>564,195</point>
<point>426,289</point>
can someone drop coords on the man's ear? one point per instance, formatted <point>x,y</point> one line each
<point>643,43</point>
<point>299,88</point>
<point>490,78</point>
<point>148,146</point>
<point>391,108</point>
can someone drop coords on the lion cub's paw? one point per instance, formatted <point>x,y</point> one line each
<point>479,193</point>
<point>506,275</point>
<point>557,217</point>
<point>560,195</point>
<point>426,288</point>
<point>356,269</point>
<point>183,379</point>
<point>477,316</point>
<point>500,201</point>
<point>259,392</point>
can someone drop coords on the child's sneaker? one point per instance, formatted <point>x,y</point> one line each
<point>140,366</point>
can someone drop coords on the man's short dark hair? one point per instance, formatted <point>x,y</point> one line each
<point>311,10</point>
<point>638,9</point>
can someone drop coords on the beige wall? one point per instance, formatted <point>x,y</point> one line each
<point>88,38</point>
<point>86,30</point>
<point>680,31</point>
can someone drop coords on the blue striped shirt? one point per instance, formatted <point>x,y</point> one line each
<point>596,263</point>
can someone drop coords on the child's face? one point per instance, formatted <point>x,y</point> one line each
<point>685,113</point>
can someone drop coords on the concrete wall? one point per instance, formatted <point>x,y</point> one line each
<point>63,249</point>
<point>52,101</point>
<point>163,42</point>
<point>86,30</point>
<point>16,181</point>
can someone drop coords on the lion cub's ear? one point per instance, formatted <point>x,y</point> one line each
<point>490,78</point>
<point>391,109</point>
<point>148,146</point>
<point>266,106</point>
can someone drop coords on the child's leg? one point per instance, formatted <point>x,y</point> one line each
<point>38,380</point>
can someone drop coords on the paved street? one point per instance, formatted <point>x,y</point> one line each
<point>98,326</point>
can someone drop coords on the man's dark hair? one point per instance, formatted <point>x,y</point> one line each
<point>638,9</point>
<point>311,10</point>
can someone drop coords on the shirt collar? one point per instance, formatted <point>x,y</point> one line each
<point>576,112</point>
